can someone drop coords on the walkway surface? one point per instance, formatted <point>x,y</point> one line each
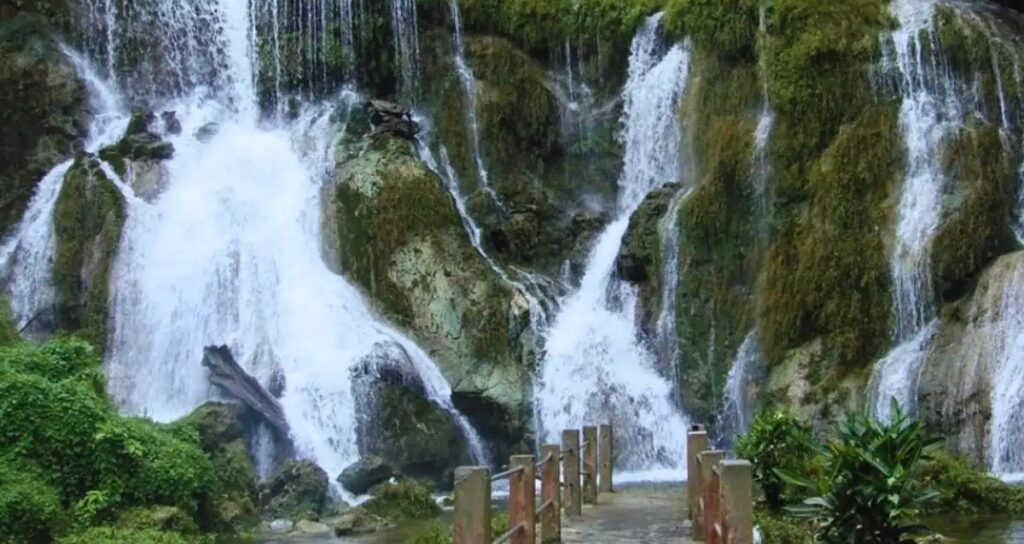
<point>633,514</point>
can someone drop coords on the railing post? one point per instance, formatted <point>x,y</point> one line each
<point>571,471</point>
<point>736,502</point>
<point>551,517</point>
<point>590,465</point>
<point>521,499</point>
<point>709,486</point>
<point>472,505</point>
<point>604,457</point>
<point>696,442</point>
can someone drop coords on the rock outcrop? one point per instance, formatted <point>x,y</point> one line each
<point>400,238</point>
<point>299,491</point>
<point>226,374</point>
<point>365,473</point>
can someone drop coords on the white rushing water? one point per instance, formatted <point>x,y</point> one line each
<point>407,45</point>
<point>596,368</point>
<point>1006,449</point>
<point>746,369</point>
<point>28,253</point>
<point>761,163</point>
<point>668,339</point>
<point>230,253</point>
<point>898,374</point>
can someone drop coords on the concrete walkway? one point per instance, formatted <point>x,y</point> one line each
<point>634,514</point>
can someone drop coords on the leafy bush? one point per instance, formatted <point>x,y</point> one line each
<point>778,441</point>
<point>113,535</point>
<point>870,496</point>
<point>439,533</point>
<point>8,329</point>
<point>29,507</point>
<point>781,530</point>
<point>965,489</point>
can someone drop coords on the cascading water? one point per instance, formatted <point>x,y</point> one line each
<point>28,253</point>
<point>230,253</point>
<point>935,106</point>
<point>766,122</point>
<point>407,45</point>
<point>595,367</point>
<point>737,410</point>
<point>668,340</point>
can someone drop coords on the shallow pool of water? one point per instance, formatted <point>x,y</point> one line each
<point>988,530</point>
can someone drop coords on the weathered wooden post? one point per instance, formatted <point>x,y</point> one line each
<point>589,465</point>
<point>736,501</point>
<point>709,486</point>
<point>551,516</point>
<point>571,471</point>
<point>696,442</point>
<point>472,505</point>
<point>604,457</point>
<point>521,499</point>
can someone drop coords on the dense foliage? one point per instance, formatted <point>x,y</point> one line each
<point>778,441</point>
<point>869,495</point>
<point>68,461</point>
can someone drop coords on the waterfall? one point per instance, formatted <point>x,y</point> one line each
<point>595,368</point>
<point>27,254</point>
<point>230,252</point>
<point>668,338</point>
<point>407,47</point>
<point>1006,448</point>
<point>746,369</point>
<point>936,104</point>
<point>766,122</point>
<point>468,80</point>
<point>898,374</point>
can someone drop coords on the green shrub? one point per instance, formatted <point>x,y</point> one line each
<point>439,533</point>
<point>870,496</point>
<point>113,535</point>
<point>61,359</point>
<point>965,489</point>
<point>29,507</point>
<point>782,530</point>
<point>778,441</point>
<point>8,328</point>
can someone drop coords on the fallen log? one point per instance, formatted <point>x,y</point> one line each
<point>226,374</point>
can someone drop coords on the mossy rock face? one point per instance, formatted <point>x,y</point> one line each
<point>977,209</point>
<point>299,491</point>
<point>223,431</point>
<point>718,226</point>
<point>401,239</point>
<point>640,261</point>
<point>88,218</point>
<point>43,111</point>
<point>414,435</point>
<point>956,384</point>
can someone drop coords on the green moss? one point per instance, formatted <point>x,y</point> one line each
<point>42,111</point>
<point>819,57</point>
<point>964,489</point>
<point>727,28</point>
<point>829,276</point>
<point>8,328</point>
<point>298,492</point>
<point>777,529</point>
<point>402,501</point>
<point>88,218</point>
<point>977,227</point>
<point>717,229</point>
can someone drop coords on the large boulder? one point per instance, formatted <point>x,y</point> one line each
<point>365,473</point>
<point>400,237</point>
<point>139,157</point>
<point>43,111</point>
<point>404,500</point>
<point>299,491</point>
<point>87,220</point>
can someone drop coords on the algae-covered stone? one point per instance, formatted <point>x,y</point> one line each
<point>403,501</point>
<point>88,218</point>
<point>299,491</point>
<point>43,111</point>
<point>365,473</point>
<point>358,520</point>
<point>401,239</point>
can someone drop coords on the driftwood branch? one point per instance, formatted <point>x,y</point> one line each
<point>226,374</point>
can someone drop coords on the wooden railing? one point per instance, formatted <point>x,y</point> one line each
<point>561,490</point>
<point>719,493</point>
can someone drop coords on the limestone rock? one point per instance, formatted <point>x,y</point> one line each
<point>365,473</point>
<point>356,521</point>
<point>307,527</point>
<point>299,491</point>
<point>388,118</point>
